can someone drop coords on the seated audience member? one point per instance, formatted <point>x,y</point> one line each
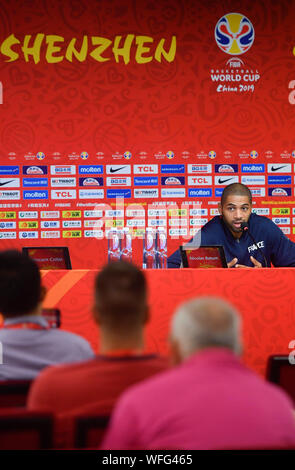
<point>210,400</point>
<point>121,311</point>
<point>28,343</point>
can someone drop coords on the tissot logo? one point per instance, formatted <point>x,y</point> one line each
<point>119,169</point>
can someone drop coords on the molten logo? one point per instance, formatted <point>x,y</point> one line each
<point>234,34</point>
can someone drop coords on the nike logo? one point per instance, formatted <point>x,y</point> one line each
<point>114,170</point>
<point>221,181</point>
<point>5,182</point>
<point>278,168</point>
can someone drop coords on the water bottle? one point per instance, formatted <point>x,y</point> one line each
<point>114,245</point>
<point>149,249</point>
<point>126,245</point>
<point>161,240</point>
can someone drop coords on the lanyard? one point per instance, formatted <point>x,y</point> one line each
<point>26,326</point>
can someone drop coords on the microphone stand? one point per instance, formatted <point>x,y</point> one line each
<point>244,228</point>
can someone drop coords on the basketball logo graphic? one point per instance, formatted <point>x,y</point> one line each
<point>170,154</point>
<point>40,156</point>
<point>253,154</point>
<point>293,154</point>
<point>234,34</point>
<point>84,155</point>
<point>212,154</point>
<point>127,155</point>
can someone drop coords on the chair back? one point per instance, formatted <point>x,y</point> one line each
<point>89,430</point>
<point>21,429</point>
<point>281,372</point>
<point>14,392</point>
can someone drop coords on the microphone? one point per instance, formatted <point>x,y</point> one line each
<point>245,228</point>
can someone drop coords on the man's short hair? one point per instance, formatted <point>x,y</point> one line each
<point>120,295</point>
<point>237,189</point>
<point>20,284</point>
<point>206,322</point>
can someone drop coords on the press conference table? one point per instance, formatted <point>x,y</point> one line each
<point>265,299</point>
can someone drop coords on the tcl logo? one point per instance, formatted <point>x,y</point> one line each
<point>145,169</point>
<point>199,180</point>
<point>70,194</point>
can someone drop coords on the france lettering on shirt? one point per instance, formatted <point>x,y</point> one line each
<point>256,246</point>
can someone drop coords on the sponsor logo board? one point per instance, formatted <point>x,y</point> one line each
<point>253,180</point>
<point>145,169</point>
<point>6,194</point>
<point>91,193</point>
<point>226,168</point>
<point>7,235</point>
<point>118,181</point>
<point>9,183</point>
<point>90,169</point>
<point>279,168</point>
<point>172,169</point>
<point>35,194</point>
<point>253,168</point>
<point>71,234</point>
<point>63,194</point>
<point>28,235</point>
<point>7,215</point>
<point>35,170</point>
<point>145,181</point>
<point>121,193</point>
<point>279,192</point>
<point>28,225</point>
<point>50,215</point>
<point>91,181</point>
<point>9,170</point>
<point>173,192</point>
<point>199,169</point>
<point>64,170</point>
<point>200,180</point>
<point>7,225</point>
<point>63,182</point>
<point>50,224</point>
<point>173,181</point>
<point>35,182</point>
<point>225,180</point>
<point>50,234</point>
<point>146,193</point>
<point>118,169</point>
<point>194,192</point>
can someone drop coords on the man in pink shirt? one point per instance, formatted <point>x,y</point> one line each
<point>210,400</point>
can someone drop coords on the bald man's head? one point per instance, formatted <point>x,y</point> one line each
<point>206,322</point>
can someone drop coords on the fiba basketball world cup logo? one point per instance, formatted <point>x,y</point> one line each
<point>234,34</point>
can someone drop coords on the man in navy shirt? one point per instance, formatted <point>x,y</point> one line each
<point>260,245</point>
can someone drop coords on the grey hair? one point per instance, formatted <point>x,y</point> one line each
<point>206,322</point>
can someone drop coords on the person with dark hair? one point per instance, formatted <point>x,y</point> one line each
<point>28,343</point>
<point>210,400</point>
<point>121,312</point>
<point>248,239</point>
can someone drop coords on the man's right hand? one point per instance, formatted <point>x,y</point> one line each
<point>232,262</point>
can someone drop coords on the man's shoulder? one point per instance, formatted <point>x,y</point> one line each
<point>62,372</point>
